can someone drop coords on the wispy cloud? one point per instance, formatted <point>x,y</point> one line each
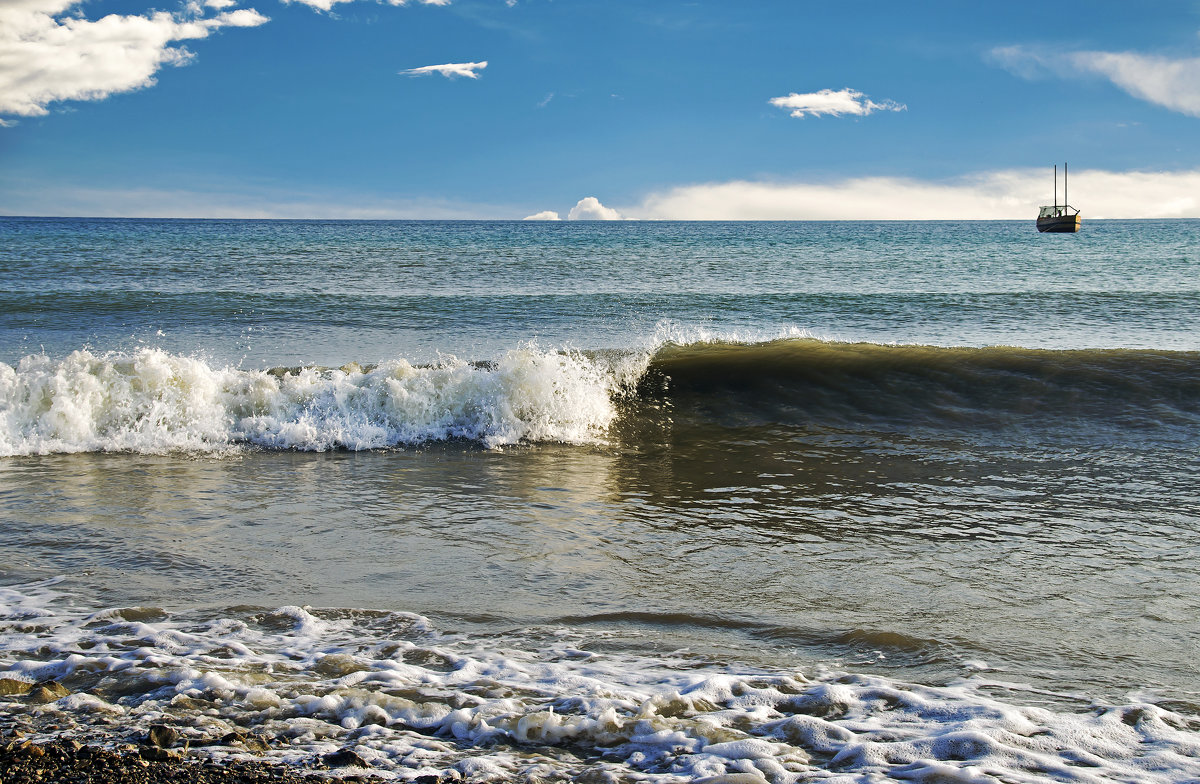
<point>1173,83</point>
<point>1026,62</point>
<point>590,208</point>
<point>1005,194</point>
<point>49,53</point>
<point>544,215</point>
<point>229,199</point>
<point>449,70</point>
<point>834,103</point>
<point>327,5</point>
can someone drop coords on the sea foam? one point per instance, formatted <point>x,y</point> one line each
<point>154,401</point>
<point>414,702</point>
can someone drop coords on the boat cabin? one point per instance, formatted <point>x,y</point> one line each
<point>1058,211</point>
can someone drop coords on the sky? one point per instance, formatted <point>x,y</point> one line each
<point>597,109</point>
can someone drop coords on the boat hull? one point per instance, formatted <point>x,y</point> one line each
<point>1061,223</point>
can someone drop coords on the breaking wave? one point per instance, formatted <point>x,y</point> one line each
<point>154,401</point>
<point>855,385</point>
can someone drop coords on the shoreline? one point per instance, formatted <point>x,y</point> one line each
<point>63,759</point>
<point>35,750</point>
<point>37,761</point>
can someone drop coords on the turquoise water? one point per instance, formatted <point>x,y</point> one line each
<point>635,501</point>
<point>264,293</point>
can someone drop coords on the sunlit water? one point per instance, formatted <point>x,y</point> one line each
<point>641,501</point>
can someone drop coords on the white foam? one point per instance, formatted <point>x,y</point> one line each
<point>383,683</point>
<point>669,332</point>
<point>153,401</point>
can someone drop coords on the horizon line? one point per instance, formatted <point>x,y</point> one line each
<point>568,221</point>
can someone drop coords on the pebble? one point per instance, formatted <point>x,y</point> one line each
<point>67,760</point>
<point>46,692</point>
<point>345,758</point>
<point>161,736</point>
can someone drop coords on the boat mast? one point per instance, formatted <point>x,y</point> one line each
<point>1066,201</point>
<point>1056,187</point>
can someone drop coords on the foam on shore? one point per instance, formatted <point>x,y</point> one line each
<point>411,701</point>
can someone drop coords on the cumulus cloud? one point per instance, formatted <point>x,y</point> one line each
<point>544,215</point>
<point>1008,194</point>
<point>449,70</point>
<point>833,102</point>
<point>590,208</point>
<point>47,55</point>
<point>1171,83</point>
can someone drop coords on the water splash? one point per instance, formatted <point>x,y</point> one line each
<point>154,401</point>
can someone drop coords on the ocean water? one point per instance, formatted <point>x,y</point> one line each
<point>658,502</point>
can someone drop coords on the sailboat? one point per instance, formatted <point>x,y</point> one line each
<point>1059,217</point>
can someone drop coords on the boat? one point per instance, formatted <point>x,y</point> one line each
<point>1059,217</point>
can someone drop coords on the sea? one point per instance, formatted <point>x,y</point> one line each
<point>607,501</point>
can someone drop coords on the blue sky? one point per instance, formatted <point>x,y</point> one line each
<point>603,108</point>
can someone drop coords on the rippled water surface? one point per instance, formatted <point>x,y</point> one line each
<point>643,501</point>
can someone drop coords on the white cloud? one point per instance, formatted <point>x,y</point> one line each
<point>1024,62</point>
<point>1171,83</point>
<point>833,102</point>
<point>47,56</point>
<point>1174,84</point>
<point>590,208</point>
<point>1008,194</point>
<point>544,215</point>
<point>449,70</point>
<point>327,5</point>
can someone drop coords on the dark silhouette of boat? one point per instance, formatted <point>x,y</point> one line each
<point>1059,217</point>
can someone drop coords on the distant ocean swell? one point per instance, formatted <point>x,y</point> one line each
<point>154,401</point>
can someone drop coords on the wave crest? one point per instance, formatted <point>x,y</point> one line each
<point>852,385</point>
<point>153,401</point>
